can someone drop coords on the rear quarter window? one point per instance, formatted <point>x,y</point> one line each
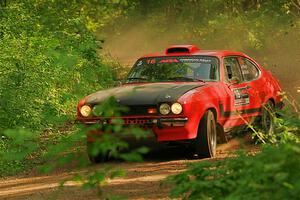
<point>249,70</point>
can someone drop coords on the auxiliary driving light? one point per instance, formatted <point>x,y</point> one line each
<point>152,111</point>
<point>164,109</point>
<point>85,110</point>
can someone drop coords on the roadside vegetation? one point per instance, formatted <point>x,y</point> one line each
<point>271,173</point>
<point>51,56</point>
<point>48,61</point>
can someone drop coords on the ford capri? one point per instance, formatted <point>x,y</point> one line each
<point>191,95</point>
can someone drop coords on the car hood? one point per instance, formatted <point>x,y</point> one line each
<point>143,94</point>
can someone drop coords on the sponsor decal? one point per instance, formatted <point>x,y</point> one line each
<point>241,96</point>
<point>195,60</point>
<point>169,61</point>
<point>153,61</point>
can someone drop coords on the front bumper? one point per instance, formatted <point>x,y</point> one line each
<point>140,121</point>
<point>170,128</point>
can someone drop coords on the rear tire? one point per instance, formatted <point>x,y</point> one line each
<point>206,142</point>
<point>267,118</point>
<point>99,158</point>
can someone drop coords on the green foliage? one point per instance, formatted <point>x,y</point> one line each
<point>16,140</point>
<point>21,147</point>
<point>286,126</point>
<point>49,59</point>
<point>119,71</point>
<point>113,143</point>
<point>287,129</point>
<point>271,174</point>
<point>15,147</point>
<point>210,22</point>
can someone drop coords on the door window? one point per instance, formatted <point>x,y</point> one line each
<point>232,69</point>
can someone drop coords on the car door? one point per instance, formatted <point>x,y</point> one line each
<point>252,77</point>
<point>242,94</point>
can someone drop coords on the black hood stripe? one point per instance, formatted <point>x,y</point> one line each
<point>146,94</point>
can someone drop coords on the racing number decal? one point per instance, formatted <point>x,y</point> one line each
<point>241,96</point>
<point>151,61</point>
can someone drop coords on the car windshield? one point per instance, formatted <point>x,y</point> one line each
<point>170,69</point>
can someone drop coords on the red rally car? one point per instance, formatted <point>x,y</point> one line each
<point>188,94</point>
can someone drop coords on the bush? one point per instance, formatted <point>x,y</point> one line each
<point>271,174</point>
<point>22,148</point>
<point>48,61</point>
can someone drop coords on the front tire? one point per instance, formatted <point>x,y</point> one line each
<point>95,157</point>
<point>206,142</point>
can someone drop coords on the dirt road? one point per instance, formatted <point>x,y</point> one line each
<point>142,180</point>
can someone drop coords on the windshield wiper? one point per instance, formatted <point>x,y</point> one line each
<point>180,78</point>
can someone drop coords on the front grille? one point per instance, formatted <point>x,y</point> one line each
<point>138,110</point>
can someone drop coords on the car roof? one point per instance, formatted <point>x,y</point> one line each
<point>192,50</point>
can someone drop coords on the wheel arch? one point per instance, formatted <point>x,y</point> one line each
<point>272,100</point>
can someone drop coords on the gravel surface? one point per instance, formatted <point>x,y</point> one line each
<point>142,180</point>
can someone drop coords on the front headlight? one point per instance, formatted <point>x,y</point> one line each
<point>85,110</point>
<point>176,108</point>
<point>164,109</point>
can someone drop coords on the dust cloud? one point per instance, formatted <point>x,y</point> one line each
<point>280,53</point>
